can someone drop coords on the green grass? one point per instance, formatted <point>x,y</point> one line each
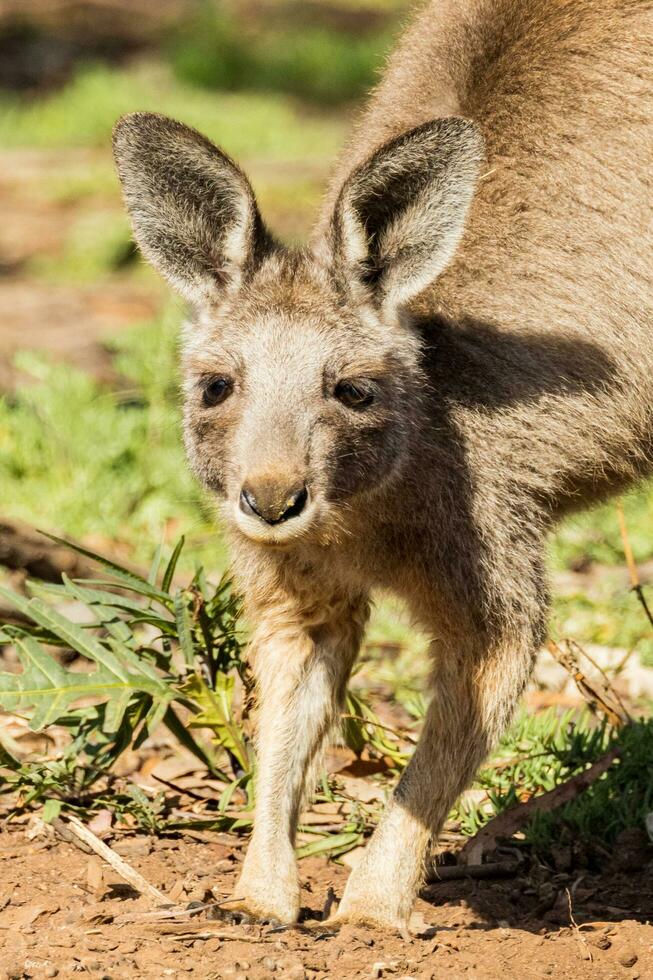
<point>84,112</point>
<point>98,245</point>
<point>78,456</point>
<point>607,613</point>
<point>219,50</point>
<point>594,535</point>
<point>540,752</point>
<point>158,648</point>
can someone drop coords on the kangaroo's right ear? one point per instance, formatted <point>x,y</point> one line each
<point>192,209</point>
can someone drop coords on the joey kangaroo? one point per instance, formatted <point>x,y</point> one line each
<point>462,355</point>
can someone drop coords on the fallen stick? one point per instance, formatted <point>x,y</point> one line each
<point>510,821</point>
<point>451,872</point>
<point>140,884</point>
<point>240,937</point>
<point>161,915</point>
<point>24,549</point>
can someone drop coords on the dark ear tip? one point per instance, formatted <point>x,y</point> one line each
<point>136,125</point>
<point>462,130</point>
<point>469,129</point>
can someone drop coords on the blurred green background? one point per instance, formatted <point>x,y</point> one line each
<point>89,407</point>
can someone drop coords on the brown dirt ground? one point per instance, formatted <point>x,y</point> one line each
<point>61,908</point>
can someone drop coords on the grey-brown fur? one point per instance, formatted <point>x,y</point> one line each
<point>511,370</point>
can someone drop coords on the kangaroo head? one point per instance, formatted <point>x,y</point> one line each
<point>302,377</point>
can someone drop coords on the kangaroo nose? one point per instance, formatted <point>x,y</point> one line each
<point>272,504</point>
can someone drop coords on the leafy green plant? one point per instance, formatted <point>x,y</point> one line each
<point>536,754</point>
<point>162,654</point>
<point>542,751</point>
<point>155,652</point>
<point>620,799</point>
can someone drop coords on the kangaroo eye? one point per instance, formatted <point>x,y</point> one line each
<point>215,390</point>
<point>354,394</point>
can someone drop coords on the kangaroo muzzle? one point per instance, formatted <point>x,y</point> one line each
<point>271,503</point>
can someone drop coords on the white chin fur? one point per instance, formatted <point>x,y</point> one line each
<point>274,534</point>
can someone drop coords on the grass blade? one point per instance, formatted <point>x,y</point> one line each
<point>171,567</point>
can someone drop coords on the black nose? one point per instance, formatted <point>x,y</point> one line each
<point>272,505</point>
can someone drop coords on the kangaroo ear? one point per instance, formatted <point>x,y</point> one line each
<point>192,209</point>
<point>400,215</point>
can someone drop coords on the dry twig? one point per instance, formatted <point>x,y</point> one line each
<point>76,832</point>
<point>510,821</point>
<point>599,694</point>
<point>635,582</point>
<point>451,872</point>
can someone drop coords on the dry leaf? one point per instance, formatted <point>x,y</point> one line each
<point>100,823</point>
<point>362,790</point>
<point>177,890</point>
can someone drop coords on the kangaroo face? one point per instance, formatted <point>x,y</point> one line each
<point>301,369</point>
<point>296,409</point>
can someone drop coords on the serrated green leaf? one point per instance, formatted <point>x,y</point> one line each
<point>214,712</point>
<point>50,689</point>
<point>135,582</point>
<point>68,631</point>
<point>131,659</point>
<point>115,710</point>
<point>155,715</point>
<point>101,597</point>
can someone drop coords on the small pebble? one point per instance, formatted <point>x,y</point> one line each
<point>628,958</point>
<point>380,968</point>
<point>129,947</point>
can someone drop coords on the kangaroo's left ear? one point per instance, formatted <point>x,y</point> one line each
<point>400,215</point>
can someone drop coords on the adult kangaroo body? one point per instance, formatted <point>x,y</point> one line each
<point>461,356</point>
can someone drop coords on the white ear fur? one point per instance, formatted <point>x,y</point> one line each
<point>401,215</point>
